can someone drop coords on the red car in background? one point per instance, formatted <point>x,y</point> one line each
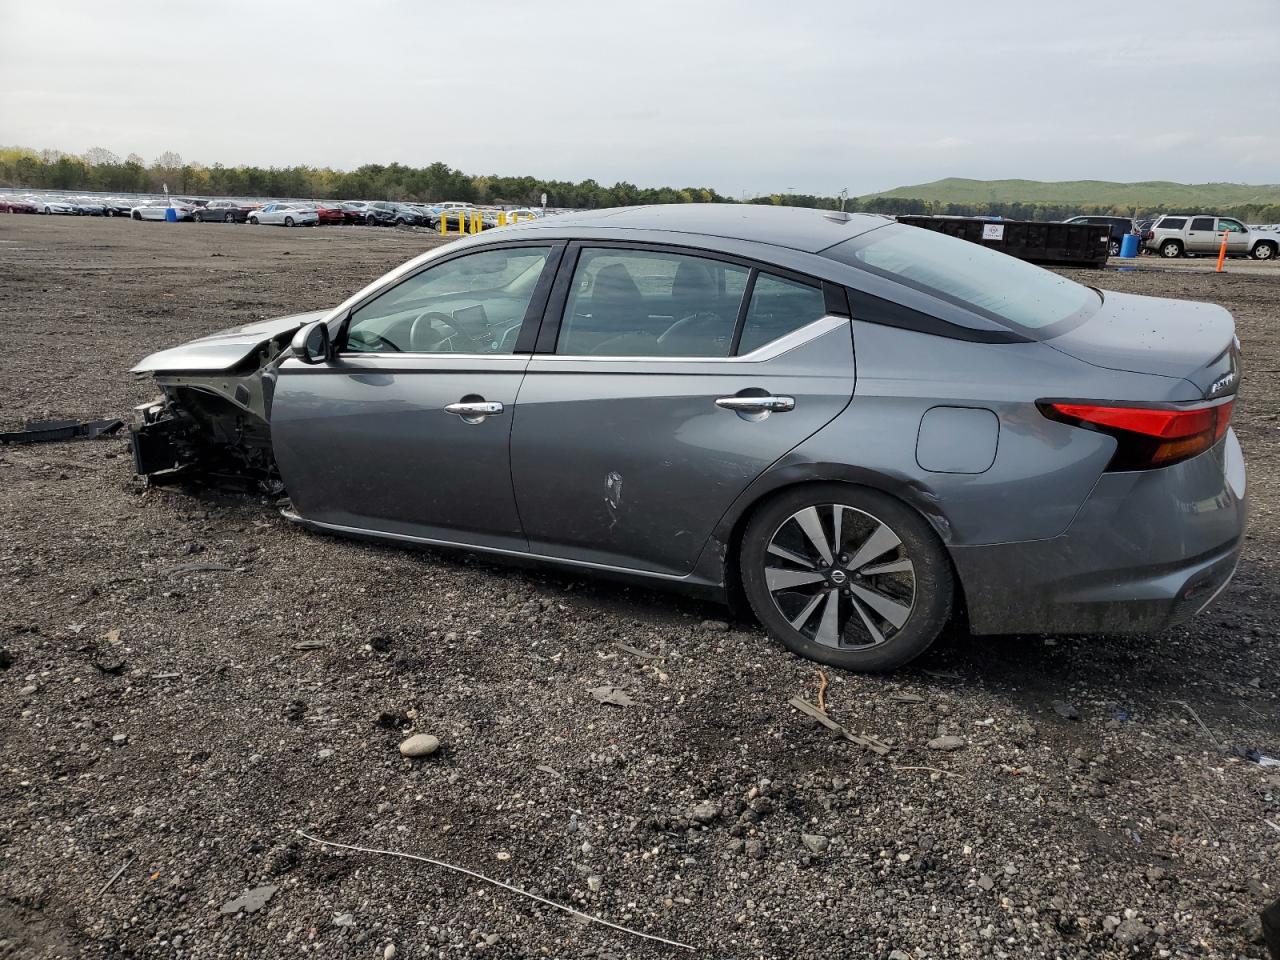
<point>329,212</point>
<point>14,205</point>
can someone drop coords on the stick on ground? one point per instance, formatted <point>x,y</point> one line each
<point>499,883</point>
<point>1187,706</point>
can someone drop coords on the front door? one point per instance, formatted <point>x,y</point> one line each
<point>674,381</point>
<point>1201,235</point>
<point>406,431</point>
<point>1237,236</point>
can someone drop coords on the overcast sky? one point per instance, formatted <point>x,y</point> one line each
<point>742,96</point>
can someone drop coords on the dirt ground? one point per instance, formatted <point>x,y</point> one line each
<point>163,734</point>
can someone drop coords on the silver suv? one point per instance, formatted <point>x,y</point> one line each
<point>1176,235</point>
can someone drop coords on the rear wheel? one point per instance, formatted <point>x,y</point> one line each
<point>228,218</point>
<point>288,221</point>
<point>1264,251</point>
<point>1113,248</point>
<point>847,576</point>
<point>137,215</point>
<point>1171,249</point>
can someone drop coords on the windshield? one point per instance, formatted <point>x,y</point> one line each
<point>994,285</point>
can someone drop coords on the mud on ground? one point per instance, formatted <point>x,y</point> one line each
<point>182,725</point>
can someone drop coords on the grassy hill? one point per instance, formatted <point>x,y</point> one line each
<point>1101,193</point>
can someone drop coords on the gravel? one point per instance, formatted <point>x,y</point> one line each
<point>1044,837</point>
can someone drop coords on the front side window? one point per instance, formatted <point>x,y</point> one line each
<point>1231,226</point>
<point>471,304</point>
<point>777,307</point>
<point>1012,292</point>
<point>642,303</point>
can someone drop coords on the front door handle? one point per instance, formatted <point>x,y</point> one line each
<point>757,404</point>
<point>474,411</point>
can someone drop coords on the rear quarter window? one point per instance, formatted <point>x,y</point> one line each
<point>1017,295</point>
<point>1171,223</point>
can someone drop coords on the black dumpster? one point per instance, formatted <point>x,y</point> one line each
<point>1069,244</point>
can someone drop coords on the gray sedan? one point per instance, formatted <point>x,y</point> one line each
<point>866,429</point>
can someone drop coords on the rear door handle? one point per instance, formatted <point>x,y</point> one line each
<point>474,411</point>
<point>757,404</point>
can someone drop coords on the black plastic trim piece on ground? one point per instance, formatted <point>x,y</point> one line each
<point>51,431</point>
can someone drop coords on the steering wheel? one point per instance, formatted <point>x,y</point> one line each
<point>422,323</point>
<point>372,338</point>
<point>703,321</point>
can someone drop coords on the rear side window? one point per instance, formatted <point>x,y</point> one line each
<point>777,307</point>
<point>649,303</point>
<point>1171,223</point>
<point>1202,223</point>
<point>1012,292</point>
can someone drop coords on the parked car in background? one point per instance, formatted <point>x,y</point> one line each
<point>55,205</point>
<point>354,211</point>
<point>117,206</point>
<point>156,210</point>
<point>386,213</point>
<point>329,211</point>
<point>88,206</point>
<point>1120,228</point>
<point>286,215</point>
<point>17,205</point>
<point>686,412</point>
<point>224,211</point>
<point>1176,235</point>
<point>379,213</point>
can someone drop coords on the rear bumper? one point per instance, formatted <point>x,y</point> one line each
<point>1146,551</point>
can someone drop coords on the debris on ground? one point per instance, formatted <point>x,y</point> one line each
<point>612,695</point>
<point>863,740</point>
<point>53,431</point>
<point>1068,711</point>
<point>251,901</point>
<point>498,883</point>
<point>946,744</point>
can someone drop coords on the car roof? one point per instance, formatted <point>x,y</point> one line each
<point>799,228</point>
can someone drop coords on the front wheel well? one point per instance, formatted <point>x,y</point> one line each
<point>736,596</point>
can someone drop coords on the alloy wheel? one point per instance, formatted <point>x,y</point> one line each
<point>840,576</point>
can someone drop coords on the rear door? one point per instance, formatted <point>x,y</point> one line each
<point>407,430</point>
<point>1201,235</point>
<point>665,381</point>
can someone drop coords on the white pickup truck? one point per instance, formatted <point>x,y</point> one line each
<point>1175,235</point>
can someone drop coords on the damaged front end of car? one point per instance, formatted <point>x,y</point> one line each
<point>211,423</point>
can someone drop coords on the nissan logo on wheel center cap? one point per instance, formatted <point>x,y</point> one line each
<point>838,577</point>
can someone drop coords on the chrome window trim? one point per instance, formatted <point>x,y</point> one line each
<point>768,351</point>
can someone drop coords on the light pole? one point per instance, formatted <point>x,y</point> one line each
<point>844,195</point>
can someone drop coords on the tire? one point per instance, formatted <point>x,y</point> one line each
<point>288,221</point>
<point>254,221</point>
<point>137,215</point>
<point>911,583</point>
<point>1113,248</point>
<point>1171,249</point>
<point>48,212</point>
<point>228,218</point>
<point>1265,250</point>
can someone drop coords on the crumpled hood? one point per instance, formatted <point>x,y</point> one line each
<point>226,348</point>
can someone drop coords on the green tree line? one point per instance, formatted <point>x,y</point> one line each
<point>99,169</point>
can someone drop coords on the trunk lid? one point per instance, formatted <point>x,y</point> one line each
<point>1171,338</point>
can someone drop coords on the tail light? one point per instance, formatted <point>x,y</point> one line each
<point>1147,437</point>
